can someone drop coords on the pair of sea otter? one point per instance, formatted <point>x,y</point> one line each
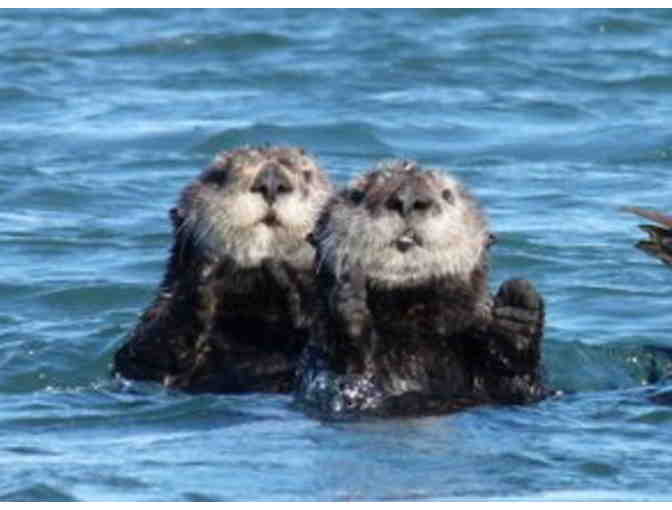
<point>373,299</point>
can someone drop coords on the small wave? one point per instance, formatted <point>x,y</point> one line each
<point>199,497</point>
<point>622,25</point>
<point>89,298</point>
<point>605,367</point>
<point>643,84</point>
<point>345,138</point>
<point>29,451</point>
<point>213,83</point>
<point>433,95</point>
<point>186,44</point>
<point>11,96</point>
<point>598,143</point>
<point>656,417</point>
<point>37,492</point>
<point>14,93</point>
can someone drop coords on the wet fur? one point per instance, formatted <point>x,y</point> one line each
<point>233,311</point>
<point>415,331</point>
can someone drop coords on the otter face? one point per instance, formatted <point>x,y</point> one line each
<point>255,203</point>
<point>404,226</point>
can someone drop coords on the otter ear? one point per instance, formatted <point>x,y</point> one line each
<point>492,239</point>
<point>218,171</point>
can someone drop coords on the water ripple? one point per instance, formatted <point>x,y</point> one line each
<point>354,138</point>
<point>191,44</point>
<point>37,492</point>
<point>555,118</point>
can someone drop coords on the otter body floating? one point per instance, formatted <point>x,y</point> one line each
<point>405,323</point>
<point>233,311</point>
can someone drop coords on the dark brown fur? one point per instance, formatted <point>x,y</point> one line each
<point>229,317</point>
<point>659,243</point>
<point>434,345</point>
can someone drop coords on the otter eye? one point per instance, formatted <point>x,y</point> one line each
<point>307,175</point>
<point>356,196</point>
<point>448,196</point>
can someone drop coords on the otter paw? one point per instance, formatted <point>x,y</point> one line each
<point>519,312</point>
<point>520,294</point>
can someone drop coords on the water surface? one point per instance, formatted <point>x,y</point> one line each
<point>554,118</point>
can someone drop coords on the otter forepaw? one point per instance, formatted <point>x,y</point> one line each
<point>519,293</point>
<point>519,311</point>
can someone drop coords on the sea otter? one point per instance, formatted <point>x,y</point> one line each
<point>405,324</point>
<point>233,311</point>
<point>659,243</point>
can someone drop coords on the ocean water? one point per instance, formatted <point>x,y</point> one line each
<point>555,119</point>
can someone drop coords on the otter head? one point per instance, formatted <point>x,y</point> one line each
<point>254,203</point>
<point>405,226</point>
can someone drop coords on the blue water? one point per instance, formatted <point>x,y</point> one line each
<point>554,118</point>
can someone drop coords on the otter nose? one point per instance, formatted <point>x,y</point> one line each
<point>271,182</point>
<point>409,200</point>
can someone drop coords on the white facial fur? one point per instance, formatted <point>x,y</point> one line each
<point>451,237</point>
<point>227,217</point>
